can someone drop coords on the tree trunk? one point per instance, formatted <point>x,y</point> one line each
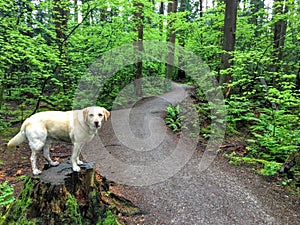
<point>161,13</point>
<point>139,23</point>
<point>181,41</point>
<point>298,77</point>
<point>279,7</point>
<point>228,43</point>
<point>172,8</point>
<point>61,196</point>
<point>60,19</point>
<point>2,89</point>
<point>201,8</point>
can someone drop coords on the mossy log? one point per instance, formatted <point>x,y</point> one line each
<point>61,196</point>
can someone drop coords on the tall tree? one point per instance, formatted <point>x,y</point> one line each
<point>60,18</point>
<point>228,43</point>
<point>139,28</point>
<point>172,8</point>
<point>61,10</point>
<point>280,26</point>
<point>201,8</point>
<point>184,5</point>
<point>161,13</point>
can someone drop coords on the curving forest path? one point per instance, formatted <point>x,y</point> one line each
<point>135,150</point>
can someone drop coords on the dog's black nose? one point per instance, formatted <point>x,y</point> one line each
<point>96,124</point>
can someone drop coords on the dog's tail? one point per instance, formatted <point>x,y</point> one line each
<point>19,138</point>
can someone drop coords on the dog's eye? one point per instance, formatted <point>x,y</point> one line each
<point>91,115</point>
<point>100,114</point>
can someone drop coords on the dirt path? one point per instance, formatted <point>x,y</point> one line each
<point>220,195</point>
<point>137,151</point>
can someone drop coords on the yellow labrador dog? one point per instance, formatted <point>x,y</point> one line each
<point>76,127</point>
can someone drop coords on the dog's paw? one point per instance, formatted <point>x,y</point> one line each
<point>36,172</point>
<point>55,163</point>
<point>79,162</point>
<point>76,168</point>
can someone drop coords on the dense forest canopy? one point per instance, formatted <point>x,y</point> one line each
<point>251,46</point>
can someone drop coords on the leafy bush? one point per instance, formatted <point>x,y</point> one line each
<point>277,135</point>
<point>270,169</point>
<point>173,118</point>
<point>240,113</point>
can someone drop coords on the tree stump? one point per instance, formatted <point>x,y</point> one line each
<point>61,196</point>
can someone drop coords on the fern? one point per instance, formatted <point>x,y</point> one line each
<point>6,194</point>
<point>174,119</point>
<point>276,134</point>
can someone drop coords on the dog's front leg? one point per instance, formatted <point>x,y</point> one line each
<point>79,162</point>
<point>75,156</point>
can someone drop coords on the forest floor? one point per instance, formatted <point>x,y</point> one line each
<point>221,194</point>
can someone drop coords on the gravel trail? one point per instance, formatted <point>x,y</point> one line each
<point>176,191</point>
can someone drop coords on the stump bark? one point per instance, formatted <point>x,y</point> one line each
<point>61,196</point>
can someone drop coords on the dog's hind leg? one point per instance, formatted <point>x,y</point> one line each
<point>36,137</point>
<point>47,155</point>
<point>33,157</point>
<point>36,148</point>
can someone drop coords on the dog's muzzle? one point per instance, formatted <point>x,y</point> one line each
<point>97,124</point>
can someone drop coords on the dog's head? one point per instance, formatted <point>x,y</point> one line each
<point>94,116</point>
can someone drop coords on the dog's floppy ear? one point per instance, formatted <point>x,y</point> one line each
<point>106,114</point>
<point>85,114</point>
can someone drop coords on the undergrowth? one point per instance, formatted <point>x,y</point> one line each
<point>6,195</point>
<point>174,118</point>
<point>269,128</point>
<point>20,205</point>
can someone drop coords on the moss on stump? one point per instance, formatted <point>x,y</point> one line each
<point>61,196</point>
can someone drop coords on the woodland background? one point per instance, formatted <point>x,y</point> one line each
<point>251,46</point>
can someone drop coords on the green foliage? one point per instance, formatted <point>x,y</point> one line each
<point>264,99</point>
<point>72,209</point>
<point>18,214</point>
<point>269,167</point>
<point>173,118</point>
<point>239,112</point>
<point>206,36</point>
<point>277,135</point>
<point>6,195</point>
<point>109,220</point>
<point>286,182</point>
